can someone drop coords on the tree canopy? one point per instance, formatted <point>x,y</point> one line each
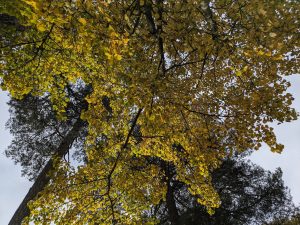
<point>174,85</point>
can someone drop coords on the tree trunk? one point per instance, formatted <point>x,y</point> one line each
<point>170,197</point>
<point>171,205</point>
<point>43,178</point>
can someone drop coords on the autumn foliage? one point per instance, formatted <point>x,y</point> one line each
<point>175,87</point>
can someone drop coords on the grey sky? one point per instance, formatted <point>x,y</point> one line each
<point>13,187</point>
<point>289,135</point>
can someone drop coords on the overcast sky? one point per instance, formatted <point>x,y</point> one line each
<point>13,187</point>
<point>289,135</point>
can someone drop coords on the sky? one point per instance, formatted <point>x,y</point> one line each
<point>13,187</point>
<point>289,135</point>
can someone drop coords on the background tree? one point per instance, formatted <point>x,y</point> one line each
<point>40,137</point>
<point>249,195</point>
<point>38,133</point>
<point>203,75</point>
<point>294,220</point>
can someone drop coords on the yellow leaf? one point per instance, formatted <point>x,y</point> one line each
<point>118,57</point>
<point>41,27</point>
<point>238,73</point>
<point>32,3</point>
<point>82,21</point>
<point>245,68</point>
<point>108,55</point>
<point>262,11</point>
<point>260,52</point>
<point>278,57</point>
<point>268,54</point>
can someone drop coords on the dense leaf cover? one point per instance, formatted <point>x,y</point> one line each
<point>175,85</point>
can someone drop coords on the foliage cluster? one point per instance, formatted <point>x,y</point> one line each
<point>173,86</point>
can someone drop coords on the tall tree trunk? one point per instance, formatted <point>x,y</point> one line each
<point>171,205</point>
<point>170,197</point>
<point>43,178</point>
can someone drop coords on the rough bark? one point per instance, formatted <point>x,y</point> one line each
<point>43,178</point>
<point>170,197</point>
<point>171,205</point>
